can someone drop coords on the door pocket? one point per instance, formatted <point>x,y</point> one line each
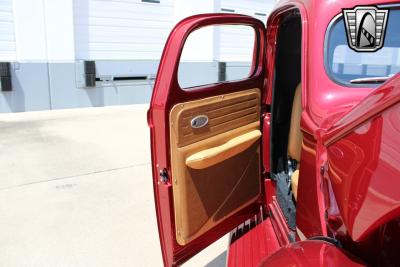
<point>211,156</point>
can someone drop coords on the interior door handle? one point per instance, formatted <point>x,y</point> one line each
<point>209,157</point>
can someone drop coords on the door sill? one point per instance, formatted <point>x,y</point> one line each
<point>251,242</point>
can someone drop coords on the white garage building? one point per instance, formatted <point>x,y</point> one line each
<point>46,43</point>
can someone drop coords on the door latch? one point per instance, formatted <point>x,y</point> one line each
<point>164,176</point>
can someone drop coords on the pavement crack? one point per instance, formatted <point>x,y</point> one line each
<point>75,175</point>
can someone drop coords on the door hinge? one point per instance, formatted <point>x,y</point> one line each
<point>164,176</point>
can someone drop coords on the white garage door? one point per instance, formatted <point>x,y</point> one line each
<point>236,42</point>
<point>121,29</point>
<point>7,36</point>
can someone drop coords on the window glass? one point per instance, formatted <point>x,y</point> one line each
<point>344,64</point>
<point>216,54</point>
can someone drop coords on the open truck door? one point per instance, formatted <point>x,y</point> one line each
<point>206,145</point>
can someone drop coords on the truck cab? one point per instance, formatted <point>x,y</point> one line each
<point>298,159</point>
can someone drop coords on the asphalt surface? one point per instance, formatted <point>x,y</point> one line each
<point>76,190</point>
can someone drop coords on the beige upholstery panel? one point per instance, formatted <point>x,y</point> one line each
<point>295,183</point>
<point>295,134</point>
<point>225,112</point>
<point>215,169</point>
<point>211,156</point>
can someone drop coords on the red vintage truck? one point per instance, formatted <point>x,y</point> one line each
<point>299,161</point>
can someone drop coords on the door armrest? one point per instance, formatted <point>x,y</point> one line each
<point>209,157</point>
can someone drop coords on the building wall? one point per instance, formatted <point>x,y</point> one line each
<point>124,30</point>
<point>7,34</point>
<point>46,41</point>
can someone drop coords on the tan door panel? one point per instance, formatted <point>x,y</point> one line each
<point>216,168</point>
<point>211,156</point>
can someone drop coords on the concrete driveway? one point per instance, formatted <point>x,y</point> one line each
<point>76,190</point>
